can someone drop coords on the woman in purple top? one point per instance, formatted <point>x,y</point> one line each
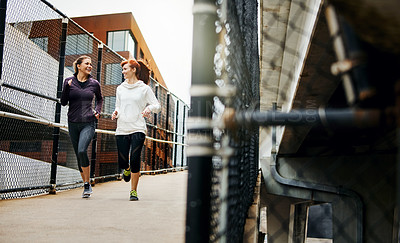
<point>79,91</point>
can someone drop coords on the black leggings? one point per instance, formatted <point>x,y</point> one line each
<point>132,143</point>
<point>81,134</point>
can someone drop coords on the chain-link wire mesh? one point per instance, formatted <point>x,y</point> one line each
<point>29,74</point>
<point>234,164</point>
<point>236,65</point>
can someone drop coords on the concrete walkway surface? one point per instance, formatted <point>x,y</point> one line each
<point>108,216</point>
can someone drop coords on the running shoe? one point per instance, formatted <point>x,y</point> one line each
<point>87,190</point>
<point>126,175</point>
<point>134,196</point>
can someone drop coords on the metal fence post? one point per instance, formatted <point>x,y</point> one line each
<point>154,167</point>
<point>183,133</point>
<point>56,131</point>
<point>3,11</point>
<point>176,132</point>
<point>94,141</point>
<point>166,133</point>
<point>200,151</point>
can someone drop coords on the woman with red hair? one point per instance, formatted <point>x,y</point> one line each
<point>134,101</point>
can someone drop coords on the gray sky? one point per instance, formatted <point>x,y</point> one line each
<point>167,27</point>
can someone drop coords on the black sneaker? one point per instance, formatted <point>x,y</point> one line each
<point>126,175</point>
<point>87,190</point>
<point>134,196</point>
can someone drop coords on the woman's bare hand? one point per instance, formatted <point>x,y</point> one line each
<point>114,115</point>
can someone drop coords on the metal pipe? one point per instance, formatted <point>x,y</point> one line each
<point>52,124</point>
<point>57,116</point>
<point>10,86</point>
<point>3,13</point>
<point>183,132</point>
<point>94,141</point>
<point>340,51</point>
<point>338,118</point>
<point>153,158</point>
<point>176,131</point>
<point>198,210</point>
<point>166,146</point>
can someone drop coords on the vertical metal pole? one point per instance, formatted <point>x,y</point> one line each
<point>94,141</point>
<point>3,11</point>
<point>274,108</point>
<point>198,211</point>
<point>183,133</point>
<point>166,133</point>
<point>339,48</point>
<point>154,167</point>
<point>176,131</point>
<point>57,118</point>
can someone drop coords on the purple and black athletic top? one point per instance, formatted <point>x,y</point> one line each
<point>80,98</point>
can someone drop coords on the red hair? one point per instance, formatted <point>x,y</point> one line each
<point>142,70</point>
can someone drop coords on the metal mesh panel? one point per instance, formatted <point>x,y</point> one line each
<point>28,65</point>
<point>236,65</point>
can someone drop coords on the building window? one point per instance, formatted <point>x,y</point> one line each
<point>113,73</point>
<point>109,104</point>
<point>42,42</point>
<point>79,44</point>
<point>121,41</point>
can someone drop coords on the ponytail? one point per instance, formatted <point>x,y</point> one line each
<point>144,73</point>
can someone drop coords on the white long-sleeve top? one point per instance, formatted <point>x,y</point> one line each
<point>131,100</point>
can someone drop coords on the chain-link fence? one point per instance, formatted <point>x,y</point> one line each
<point>38,46</point>
<point>223,164</point>
<point>326,104</point>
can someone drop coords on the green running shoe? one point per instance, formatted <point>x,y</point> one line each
<point>134,196</point>
<point>126,175</point>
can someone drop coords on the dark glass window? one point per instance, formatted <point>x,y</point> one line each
<point>109,104</point>
<point>42,42</point>
<point>113,74</point>
<point>79,44</point>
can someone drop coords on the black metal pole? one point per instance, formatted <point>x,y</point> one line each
<point>334,118</point>
<point>10,86</point>
<point>56,131</point>
<point>183,133</point>
<point>198,211</point>
<point>166,133</point>
<point>94,141</point>
<point>154,167</point>
<point>176,132</point>
<point>3,11</point>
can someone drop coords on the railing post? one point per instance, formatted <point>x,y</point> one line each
<point>57,117</point>
<point>154,167</point>
<point>183,134</point>
<point>94,141</point>
<point>200,151</point>
<point>3,11</point>
<point>176,132</point>
<point>166,133</point>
